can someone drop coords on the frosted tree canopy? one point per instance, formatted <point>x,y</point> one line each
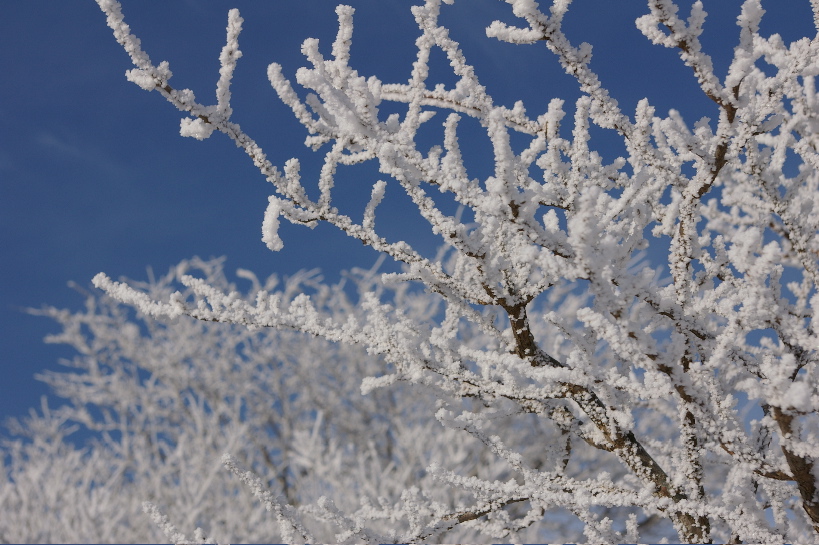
<point>602,349</point>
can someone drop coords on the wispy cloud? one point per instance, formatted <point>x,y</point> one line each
<point>75,150</point>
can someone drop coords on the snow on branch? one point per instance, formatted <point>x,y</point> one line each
<point>291,528</point>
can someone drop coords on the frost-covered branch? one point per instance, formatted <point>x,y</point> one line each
<point>593,343</point>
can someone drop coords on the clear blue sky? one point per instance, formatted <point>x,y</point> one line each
<point>95,177</point>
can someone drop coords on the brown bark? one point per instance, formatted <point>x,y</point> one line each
<point>801,467</point>
<point>623,444</point>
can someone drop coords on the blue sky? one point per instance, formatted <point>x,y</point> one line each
<point>95,177</point>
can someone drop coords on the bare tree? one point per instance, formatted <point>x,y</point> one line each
<point>593,387</point>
